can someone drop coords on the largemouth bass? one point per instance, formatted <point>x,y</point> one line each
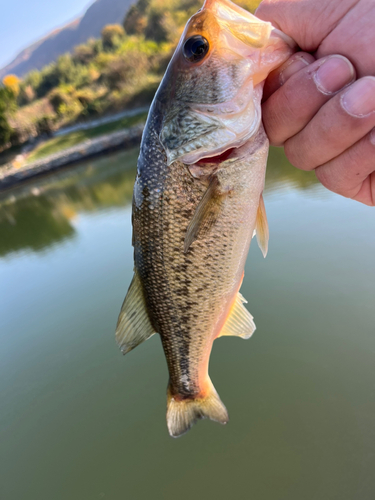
<point>198,200</point>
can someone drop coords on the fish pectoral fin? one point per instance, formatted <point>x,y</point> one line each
<point>133,326</point>
<point>205,214</point>
<point>261,228</point>
<point>239,322</point>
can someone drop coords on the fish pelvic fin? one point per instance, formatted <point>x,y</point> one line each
<point>240,322</point>
<point>182,414</point>
<point>133,326</point>
<point>262,231</point>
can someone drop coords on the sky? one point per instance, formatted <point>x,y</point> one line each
<point>25,21</point>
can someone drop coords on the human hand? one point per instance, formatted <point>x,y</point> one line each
<point>326,27</point>
<point>322,118</point>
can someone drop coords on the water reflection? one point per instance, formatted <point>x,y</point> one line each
<point>281,174</point>
<point>42,212</point>
<point>80,421</point>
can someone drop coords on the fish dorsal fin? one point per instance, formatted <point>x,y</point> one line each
<point>239,322</point>
<point>261,228</point>
<point>133,326</point>
<point>205,215</point>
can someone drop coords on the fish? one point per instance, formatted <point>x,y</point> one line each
<point>198,201</point>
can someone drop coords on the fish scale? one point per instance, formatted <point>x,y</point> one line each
<point>177,285</point>
<point>197,201</point>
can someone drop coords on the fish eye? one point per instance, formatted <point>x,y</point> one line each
<point>196,48</point>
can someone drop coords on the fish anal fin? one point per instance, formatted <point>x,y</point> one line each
<point>133,326</point>
<point>239,322</point>
<point>261,228</point>
<point>205,214</point>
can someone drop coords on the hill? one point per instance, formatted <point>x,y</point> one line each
<point>64,39</point>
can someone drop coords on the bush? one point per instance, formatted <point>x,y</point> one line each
<point>93,108</point>
<point>58,97</point>
<point>156,28</point>
<point>85,96</point>
<point>48,80</point>
<point>7,105</point>
<point>83,54</point>
<point>125,68</point>
<point>71,110</point>
<point>112,35</point>
<point>135,21</point>
<point>44,125</point>
<point>5,131</point>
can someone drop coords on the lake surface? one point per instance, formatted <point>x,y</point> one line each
<point>78,421</point>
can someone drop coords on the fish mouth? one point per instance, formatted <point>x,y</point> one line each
<point>231,154</point>
<point>204,168</point>
<point>218,159</point>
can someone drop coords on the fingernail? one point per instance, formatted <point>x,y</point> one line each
<point>294,64</point>
<point>334,73</point>
<point>359,100</point>
<point>372,136</point>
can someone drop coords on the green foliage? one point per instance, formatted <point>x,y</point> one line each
<point>8,103</point>
<point>112,36</point>
<point>135,21</point>
<point>58,97</point>
<point>121,69</point>
<point>157,27</point>
<point>7,106</point>
<point>48,80</point>
<point>45,124</point>
<point>64,71</point>
<point>125,68</point>
<point>5,131</point>
<point>84,54</point>
<point>33,79</point>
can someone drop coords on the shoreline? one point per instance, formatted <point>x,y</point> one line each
<point>103,144</point>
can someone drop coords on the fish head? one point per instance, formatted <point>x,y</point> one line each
<point>210,97</point>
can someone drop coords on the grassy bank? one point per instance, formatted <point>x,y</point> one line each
<point>60,143</point>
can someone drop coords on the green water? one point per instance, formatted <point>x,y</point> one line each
<point>78,421</point>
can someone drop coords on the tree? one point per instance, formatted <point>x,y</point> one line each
<point>135,21</point>
<point>112,34</point>
<point>83,54</point>
<point>7,105</point>
<point>124,68</point>
<point>12,82</point>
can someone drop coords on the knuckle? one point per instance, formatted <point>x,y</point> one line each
<point>333,182</point>
<point>297,155</point>
<point>325,178</point>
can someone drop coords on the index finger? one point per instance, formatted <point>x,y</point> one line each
<point>288,110</point>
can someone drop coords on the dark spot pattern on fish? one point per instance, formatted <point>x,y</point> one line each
<point>183,293</point>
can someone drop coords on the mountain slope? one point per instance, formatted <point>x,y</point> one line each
<point>46,50</point>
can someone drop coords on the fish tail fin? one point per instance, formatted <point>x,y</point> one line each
<point>182,414</point>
